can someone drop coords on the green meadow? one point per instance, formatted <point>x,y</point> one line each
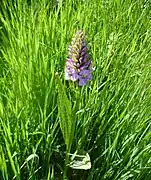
<point>52,129</point>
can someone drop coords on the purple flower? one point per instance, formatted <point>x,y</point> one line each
<point>78,66</point>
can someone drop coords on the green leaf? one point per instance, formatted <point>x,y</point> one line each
<point>66,117</point>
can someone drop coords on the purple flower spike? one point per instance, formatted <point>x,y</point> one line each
<point>78,65</point>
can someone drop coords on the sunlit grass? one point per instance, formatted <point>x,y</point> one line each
<point>112,114</point>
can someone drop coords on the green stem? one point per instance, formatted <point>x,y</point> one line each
<point>66,166</point>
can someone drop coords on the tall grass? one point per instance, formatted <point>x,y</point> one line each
<point>111,116</point>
